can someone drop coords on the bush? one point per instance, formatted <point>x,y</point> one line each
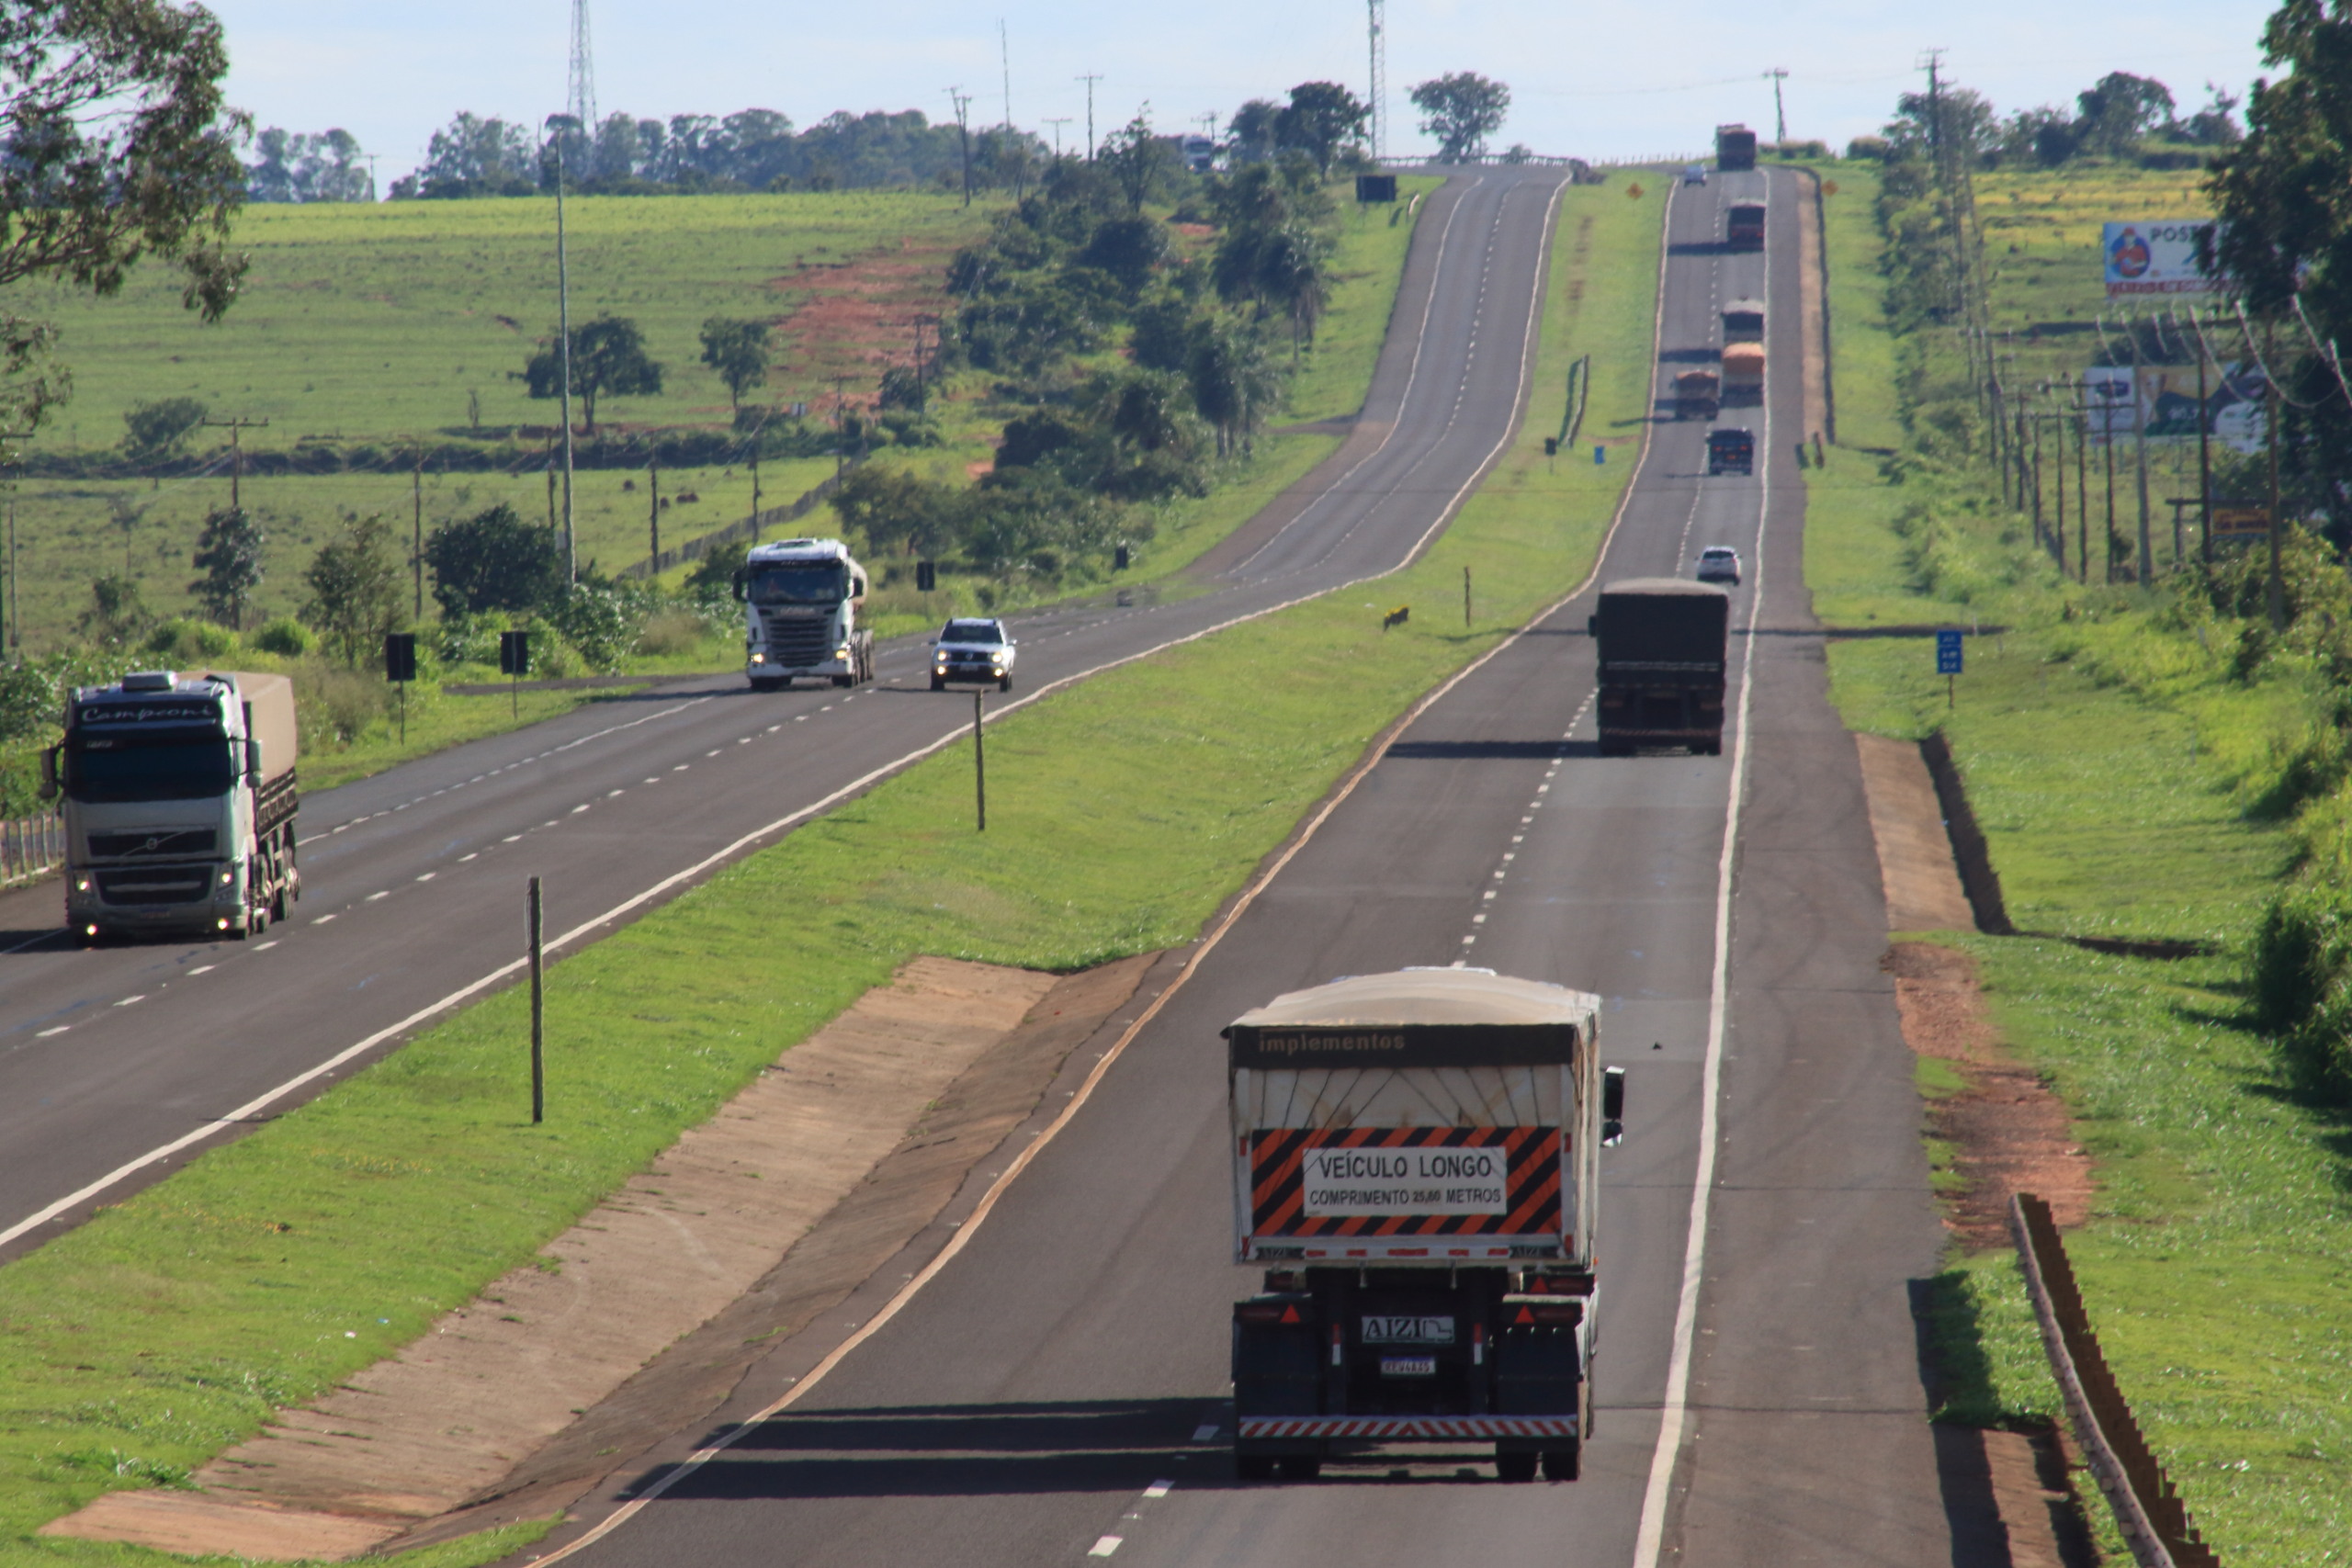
<point>336,706</point>
<point>671,633</point>
<point>601,623</point>
<point>286,636</point>
<point>187,641</point>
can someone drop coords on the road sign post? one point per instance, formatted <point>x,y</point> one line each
<point>1949,662</point>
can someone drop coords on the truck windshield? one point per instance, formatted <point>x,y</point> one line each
<point>119,770</point>
<point>797,583</point>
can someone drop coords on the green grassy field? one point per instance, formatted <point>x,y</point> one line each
<point>1122,813</point>
<point>2114,758</point>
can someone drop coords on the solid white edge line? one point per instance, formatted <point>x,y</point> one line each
<point>1673,1415</point>
<point>1085,1091</point>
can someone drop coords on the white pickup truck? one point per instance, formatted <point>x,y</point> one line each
<point>972,652</point>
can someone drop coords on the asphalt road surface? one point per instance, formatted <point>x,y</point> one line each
<point>1059,1392</point>
<point>116,1063</point>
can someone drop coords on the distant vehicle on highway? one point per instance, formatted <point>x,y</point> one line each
<point>1734,148</point>
<point>1662,645</point>
<point>1694,175</point>
<point>1416,1164</point>
<point>1698,394</point>
<point>1719,563</point>
<point>180,803</point>
<point>1743,225</point>
<point>1743,373</point>
<point>969,652</point>
<point>1731,450</point>
<point>1744,321</point>
<point>801,600</point>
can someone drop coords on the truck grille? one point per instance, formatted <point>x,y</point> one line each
<point>154,883</point>
<point>182,842</point>
<point>795,644</point>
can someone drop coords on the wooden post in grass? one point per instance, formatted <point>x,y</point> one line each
<point>539,1008</point>
<point>1465,598</point>
<point>979,763</point>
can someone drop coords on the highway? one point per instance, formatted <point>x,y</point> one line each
<point>1058,1392</point>
<point>119,1062</point>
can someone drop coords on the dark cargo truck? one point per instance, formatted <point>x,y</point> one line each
<point>1734,148</point>
<point>1416,1164</point>
<point>1662,644</point>
<point>1743,225</point>
<point>1731,450</point>
<point>1698,394</point>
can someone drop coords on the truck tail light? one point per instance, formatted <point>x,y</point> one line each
<point>1478,1343</point>
<point>1335,1357</point>
<point>1268,1312</point>
<point>1526,1315</point>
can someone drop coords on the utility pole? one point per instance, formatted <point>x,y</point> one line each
<point>653,507</point>
<point>1004,58</point>
<point>1779,114</point>
<point>416,536</point>
<point>963,102</point>
<point>2145,575</point>
<point>2278,584</point>
<point>236,428</point>
<point>1058,121</point>
<point>2204,451</point>
<point>563,327</point>
<point>1089,78</point>
<point>16,600</point>
<point>1376,82</point>
<point>841,433</point>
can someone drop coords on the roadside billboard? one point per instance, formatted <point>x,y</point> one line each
<point>2168,403</point>
<point>2154,256</point>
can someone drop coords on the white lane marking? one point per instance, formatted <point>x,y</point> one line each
<point>428,876</point>
<point>611,793</point>
<point>463,859</point>
<point>743,741</point>
<point>599,735</point>
<point>1103,1546</point>
<point>1160,1489</point>
<point>322,919</point>
<point>576,810</point>
<point>128,1000</point>
<point>47,1033</point>
<point>1205,1434</point>
<point>204,969</point>
<point>1650,1539</point>
<point>264,946</point>
<point>512,839</point>
<point>681,767</point>
<point>710,753</point>
<point>373,896</point>
<point>653,781</point>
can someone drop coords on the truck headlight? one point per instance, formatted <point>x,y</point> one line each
<point>758,659</point>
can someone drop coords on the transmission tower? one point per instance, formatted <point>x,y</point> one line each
<point>581,101</point>
<point>1376,18</point>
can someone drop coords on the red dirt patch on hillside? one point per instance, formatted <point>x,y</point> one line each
<point>2008,1132</point>
<point>856,318</point>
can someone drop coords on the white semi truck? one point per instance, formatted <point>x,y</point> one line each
<point>801,599</point>
<point>1416,1165</point>
<point>179,804</point>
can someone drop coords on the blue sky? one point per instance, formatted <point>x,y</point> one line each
<point>1605,79</point>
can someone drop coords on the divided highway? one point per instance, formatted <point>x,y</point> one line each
<point>1059,1392</point>
<point>118,1063</point>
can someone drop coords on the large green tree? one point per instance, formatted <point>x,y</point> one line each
<point>1461,108</point>
<point>114,144</point>
<point>1323,117</point>
<point>229,554</point>
<point>608,357</point>
<point>492,560</point>
<point>738,351</point>
<point>357,581</point>
<point>2283,196</point>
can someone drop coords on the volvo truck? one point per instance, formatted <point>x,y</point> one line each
<point>180,803</point>
<point>1415,1169</point>
<point>802,598</point>
<point>1662,646</point>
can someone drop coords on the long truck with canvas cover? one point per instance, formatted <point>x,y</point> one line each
<point>180,803</point>
<point>1416,1165</point>
<point>1698,394</point>
<point>801,600</point>
<point>1743,374</point>
<point>1743,320</point>
<point>1734,148</point>
<point>1662,650</point>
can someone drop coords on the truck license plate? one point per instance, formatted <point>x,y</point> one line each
<point>1408,1366</point>
<point>1408,1330</point>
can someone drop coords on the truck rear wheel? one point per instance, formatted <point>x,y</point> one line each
<point>1561,1464</point>
<point>1299,1467</point>
<point>1515,1467</point>
<point>1254,1466</point>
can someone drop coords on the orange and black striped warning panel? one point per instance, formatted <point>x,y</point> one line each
<point>1382,1181</point>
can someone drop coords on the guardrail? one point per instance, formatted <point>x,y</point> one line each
<point>2154,1522</point>
<point>31,847</point>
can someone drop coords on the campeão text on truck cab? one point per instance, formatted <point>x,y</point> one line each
<point>801,599</point>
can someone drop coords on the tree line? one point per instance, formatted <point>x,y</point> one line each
<point>2120,116</point>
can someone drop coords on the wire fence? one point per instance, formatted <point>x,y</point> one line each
<point>31,847</point>
<point>2153,1520</point>
<point>746,529</point>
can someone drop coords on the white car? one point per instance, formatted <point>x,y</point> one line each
<point>975,651</point>
<point>1694,174</point>
<point>1719,563</point>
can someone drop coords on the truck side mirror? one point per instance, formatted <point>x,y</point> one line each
<point>737,586</point>
<point>252,760</point>
<point>1613,1107</point>
<point>49,773</point>
<point>1592,625</point>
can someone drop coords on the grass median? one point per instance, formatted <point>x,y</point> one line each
<point>1121,814</point>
